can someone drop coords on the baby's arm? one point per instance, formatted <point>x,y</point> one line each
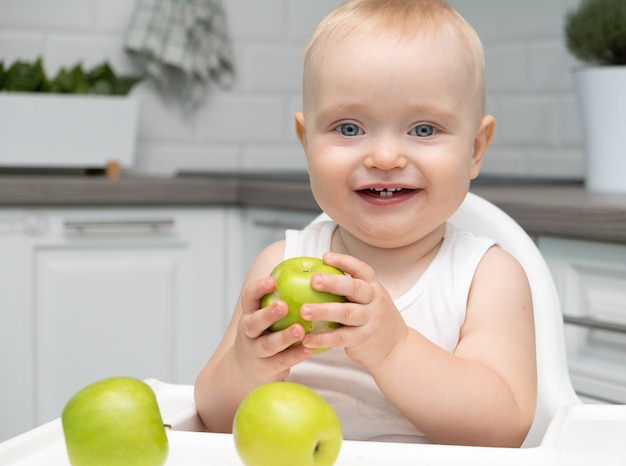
<point>485,393</point>
<point>248,356</point>
<point>482,394</point>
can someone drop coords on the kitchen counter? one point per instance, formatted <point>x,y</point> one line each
<point>542,207</point>
<point>567,211</point>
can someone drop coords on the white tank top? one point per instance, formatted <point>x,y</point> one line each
<point>435,306</point>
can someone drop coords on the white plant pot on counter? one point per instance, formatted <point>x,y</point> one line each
<point>602,98</point>
<point>67,130</point>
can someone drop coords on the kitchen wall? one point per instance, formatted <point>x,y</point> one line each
<point>251,127</point>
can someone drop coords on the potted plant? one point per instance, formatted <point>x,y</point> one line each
<point>78,119</point>
<point>595,33</point>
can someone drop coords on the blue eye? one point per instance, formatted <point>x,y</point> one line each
<point>349,129</point>
<point>423,131</point>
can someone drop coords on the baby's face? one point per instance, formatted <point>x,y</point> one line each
<point>389,112</point>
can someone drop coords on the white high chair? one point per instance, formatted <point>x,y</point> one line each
<point>554,388</point>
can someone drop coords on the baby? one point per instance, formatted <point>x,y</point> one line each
<point>437,337</point>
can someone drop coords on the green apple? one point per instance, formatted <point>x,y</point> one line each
<point>293,286</point>
<point>114,422</point>
<point>286,424</point>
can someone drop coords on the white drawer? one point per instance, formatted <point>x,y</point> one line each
<point>591,280</point>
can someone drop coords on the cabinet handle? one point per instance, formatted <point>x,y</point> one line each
<point>81,226</point>
<point>278,225</point>
<point>597,324</point>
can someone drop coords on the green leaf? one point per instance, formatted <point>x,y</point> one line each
<point>595,32</point>
<point>101,79</point>
<point>124,84</point>
<point>102,72</point>
<point>23,77</point>
<point>80,83</point>
<point>102,87</point>
<point>62,82</point>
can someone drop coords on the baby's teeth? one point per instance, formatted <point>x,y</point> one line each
<point>386,192</point>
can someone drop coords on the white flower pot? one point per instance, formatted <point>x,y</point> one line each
<point>602,98</point>
<point>67,130</point>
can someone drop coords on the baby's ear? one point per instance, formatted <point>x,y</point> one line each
<point>482,140</point>
<point>300,128</point>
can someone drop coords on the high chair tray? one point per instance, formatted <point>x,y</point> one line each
<point>578,435</point>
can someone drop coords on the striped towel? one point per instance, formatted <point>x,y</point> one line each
<point>182,45</point>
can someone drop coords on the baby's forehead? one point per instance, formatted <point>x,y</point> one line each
<point>456,40</point>
<point>442,37</point>
<point>449,33</point>
<point>452,49</point>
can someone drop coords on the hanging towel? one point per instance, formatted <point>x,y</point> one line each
<point>182,45</point>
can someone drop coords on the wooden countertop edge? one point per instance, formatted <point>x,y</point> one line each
<point>99,191</point>
<point>563,211</point>
<point>568,211</point>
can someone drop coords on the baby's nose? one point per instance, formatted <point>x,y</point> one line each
<point>386,154</point>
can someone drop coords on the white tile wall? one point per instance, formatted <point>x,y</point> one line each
<point>251,125</point>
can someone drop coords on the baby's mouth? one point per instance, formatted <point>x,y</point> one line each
<point>385,192</point>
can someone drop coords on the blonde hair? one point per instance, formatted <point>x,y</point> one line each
<point>428,18</point>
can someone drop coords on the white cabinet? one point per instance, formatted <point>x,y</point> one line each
<point>92,293</point>
<point>591,280</point>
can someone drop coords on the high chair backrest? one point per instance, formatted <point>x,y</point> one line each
<point>554,388</point>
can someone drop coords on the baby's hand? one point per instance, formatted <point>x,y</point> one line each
<point>265,356</point>
<point>372,325</point>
